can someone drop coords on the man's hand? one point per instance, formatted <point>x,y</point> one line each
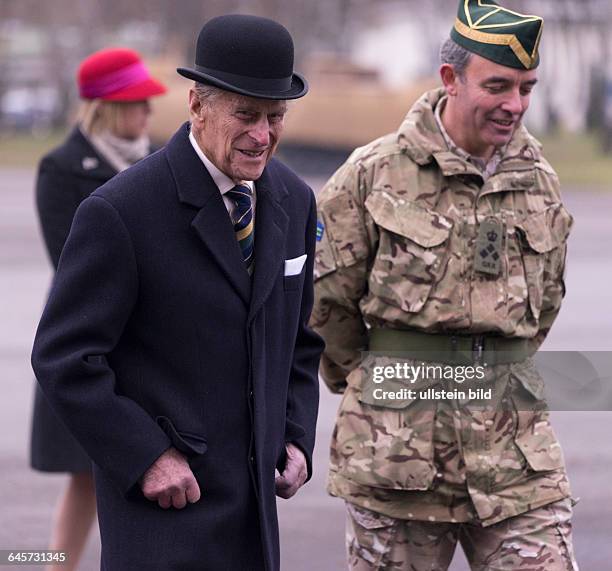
<point>294,475</point>
<point>170,482</point>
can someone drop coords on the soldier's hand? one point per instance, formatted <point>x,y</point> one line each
<point>294,475</point>
<point>170,482</point>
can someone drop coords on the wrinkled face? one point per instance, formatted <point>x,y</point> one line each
<point>490,101</point>
<point>132,119</point>
<point>239,134</point>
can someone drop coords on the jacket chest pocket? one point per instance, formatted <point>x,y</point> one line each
<point>542,236</point>
<point>412,252</point>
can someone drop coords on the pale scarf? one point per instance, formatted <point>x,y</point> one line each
<point>120,153</point>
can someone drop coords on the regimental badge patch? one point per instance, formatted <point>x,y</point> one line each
<point>489,247</point>
<point>320,230</point>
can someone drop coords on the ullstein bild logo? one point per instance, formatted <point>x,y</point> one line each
<point>432,394</point>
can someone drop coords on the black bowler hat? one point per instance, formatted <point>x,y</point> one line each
<point>247,55</point>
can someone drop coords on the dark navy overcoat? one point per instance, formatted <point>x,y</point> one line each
<point>155,335</point>
<point>66,176</point>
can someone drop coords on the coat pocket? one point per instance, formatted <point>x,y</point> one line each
<point>190,444</point>
<point>412,252</point>
<point>293,283</point>
<point>534,437</point>
<point>383,447</point>
<point>543,233</point>
<point>369,519</point>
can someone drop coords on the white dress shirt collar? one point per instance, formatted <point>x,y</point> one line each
<point>223,182</point>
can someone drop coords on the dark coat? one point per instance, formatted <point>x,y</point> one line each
<point>66,176</point>
<point>154,336</point>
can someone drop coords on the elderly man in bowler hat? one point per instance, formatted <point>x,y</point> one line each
<point>175,343</point>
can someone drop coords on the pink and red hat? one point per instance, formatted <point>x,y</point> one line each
<point>116,74</point>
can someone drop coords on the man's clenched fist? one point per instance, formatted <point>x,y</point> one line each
<point>294,475</point>
<point>170,482</point>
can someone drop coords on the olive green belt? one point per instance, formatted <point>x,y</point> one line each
<point>454,349</point>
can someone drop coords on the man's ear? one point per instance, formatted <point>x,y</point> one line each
<point>449,78</point>
<point>195,107</point>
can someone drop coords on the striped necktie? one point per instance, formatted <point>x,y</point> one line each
<point>242,217</point>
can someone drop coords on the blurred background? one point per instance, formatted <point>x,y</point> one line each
<point>367,61</point>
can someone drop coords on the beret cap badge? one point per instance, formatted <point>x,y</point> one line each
<point>498,34</point>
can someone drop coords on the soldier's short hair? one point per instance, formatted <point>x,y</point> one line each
<point>454,54</point>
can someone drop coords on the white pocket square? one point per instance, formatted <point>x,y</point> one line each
<point>294,266</point>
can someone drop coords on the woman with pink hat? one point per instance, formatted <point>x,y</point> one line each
<point>110,135</point>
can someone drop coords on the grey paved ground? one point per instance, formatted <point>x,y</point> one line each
<point>312,523</point>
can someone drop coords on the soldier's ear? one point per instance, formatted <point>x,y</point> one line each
<point>449,79</point>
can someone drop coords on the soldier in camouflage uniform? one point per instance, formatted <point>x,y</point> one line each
<point>448,237</point>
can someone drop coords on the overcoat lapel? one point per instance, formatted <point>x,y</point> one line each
<point>214,228</point>
<point>212,225</point>
<point>271,223</point>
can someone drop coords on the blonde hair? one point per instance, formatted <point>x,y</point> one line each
<point>96,115</point>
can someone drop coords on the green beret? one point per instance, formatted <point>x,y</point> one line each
<point>498,34</point>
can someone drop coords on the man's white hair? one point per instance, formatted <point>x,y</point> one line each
<point>208,94</point>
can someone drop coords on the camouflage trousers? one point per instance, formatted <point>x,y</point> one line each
<point>538,540</point>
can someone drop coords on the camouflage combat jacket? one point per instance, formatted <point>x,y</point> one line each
<point>397,229</point>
